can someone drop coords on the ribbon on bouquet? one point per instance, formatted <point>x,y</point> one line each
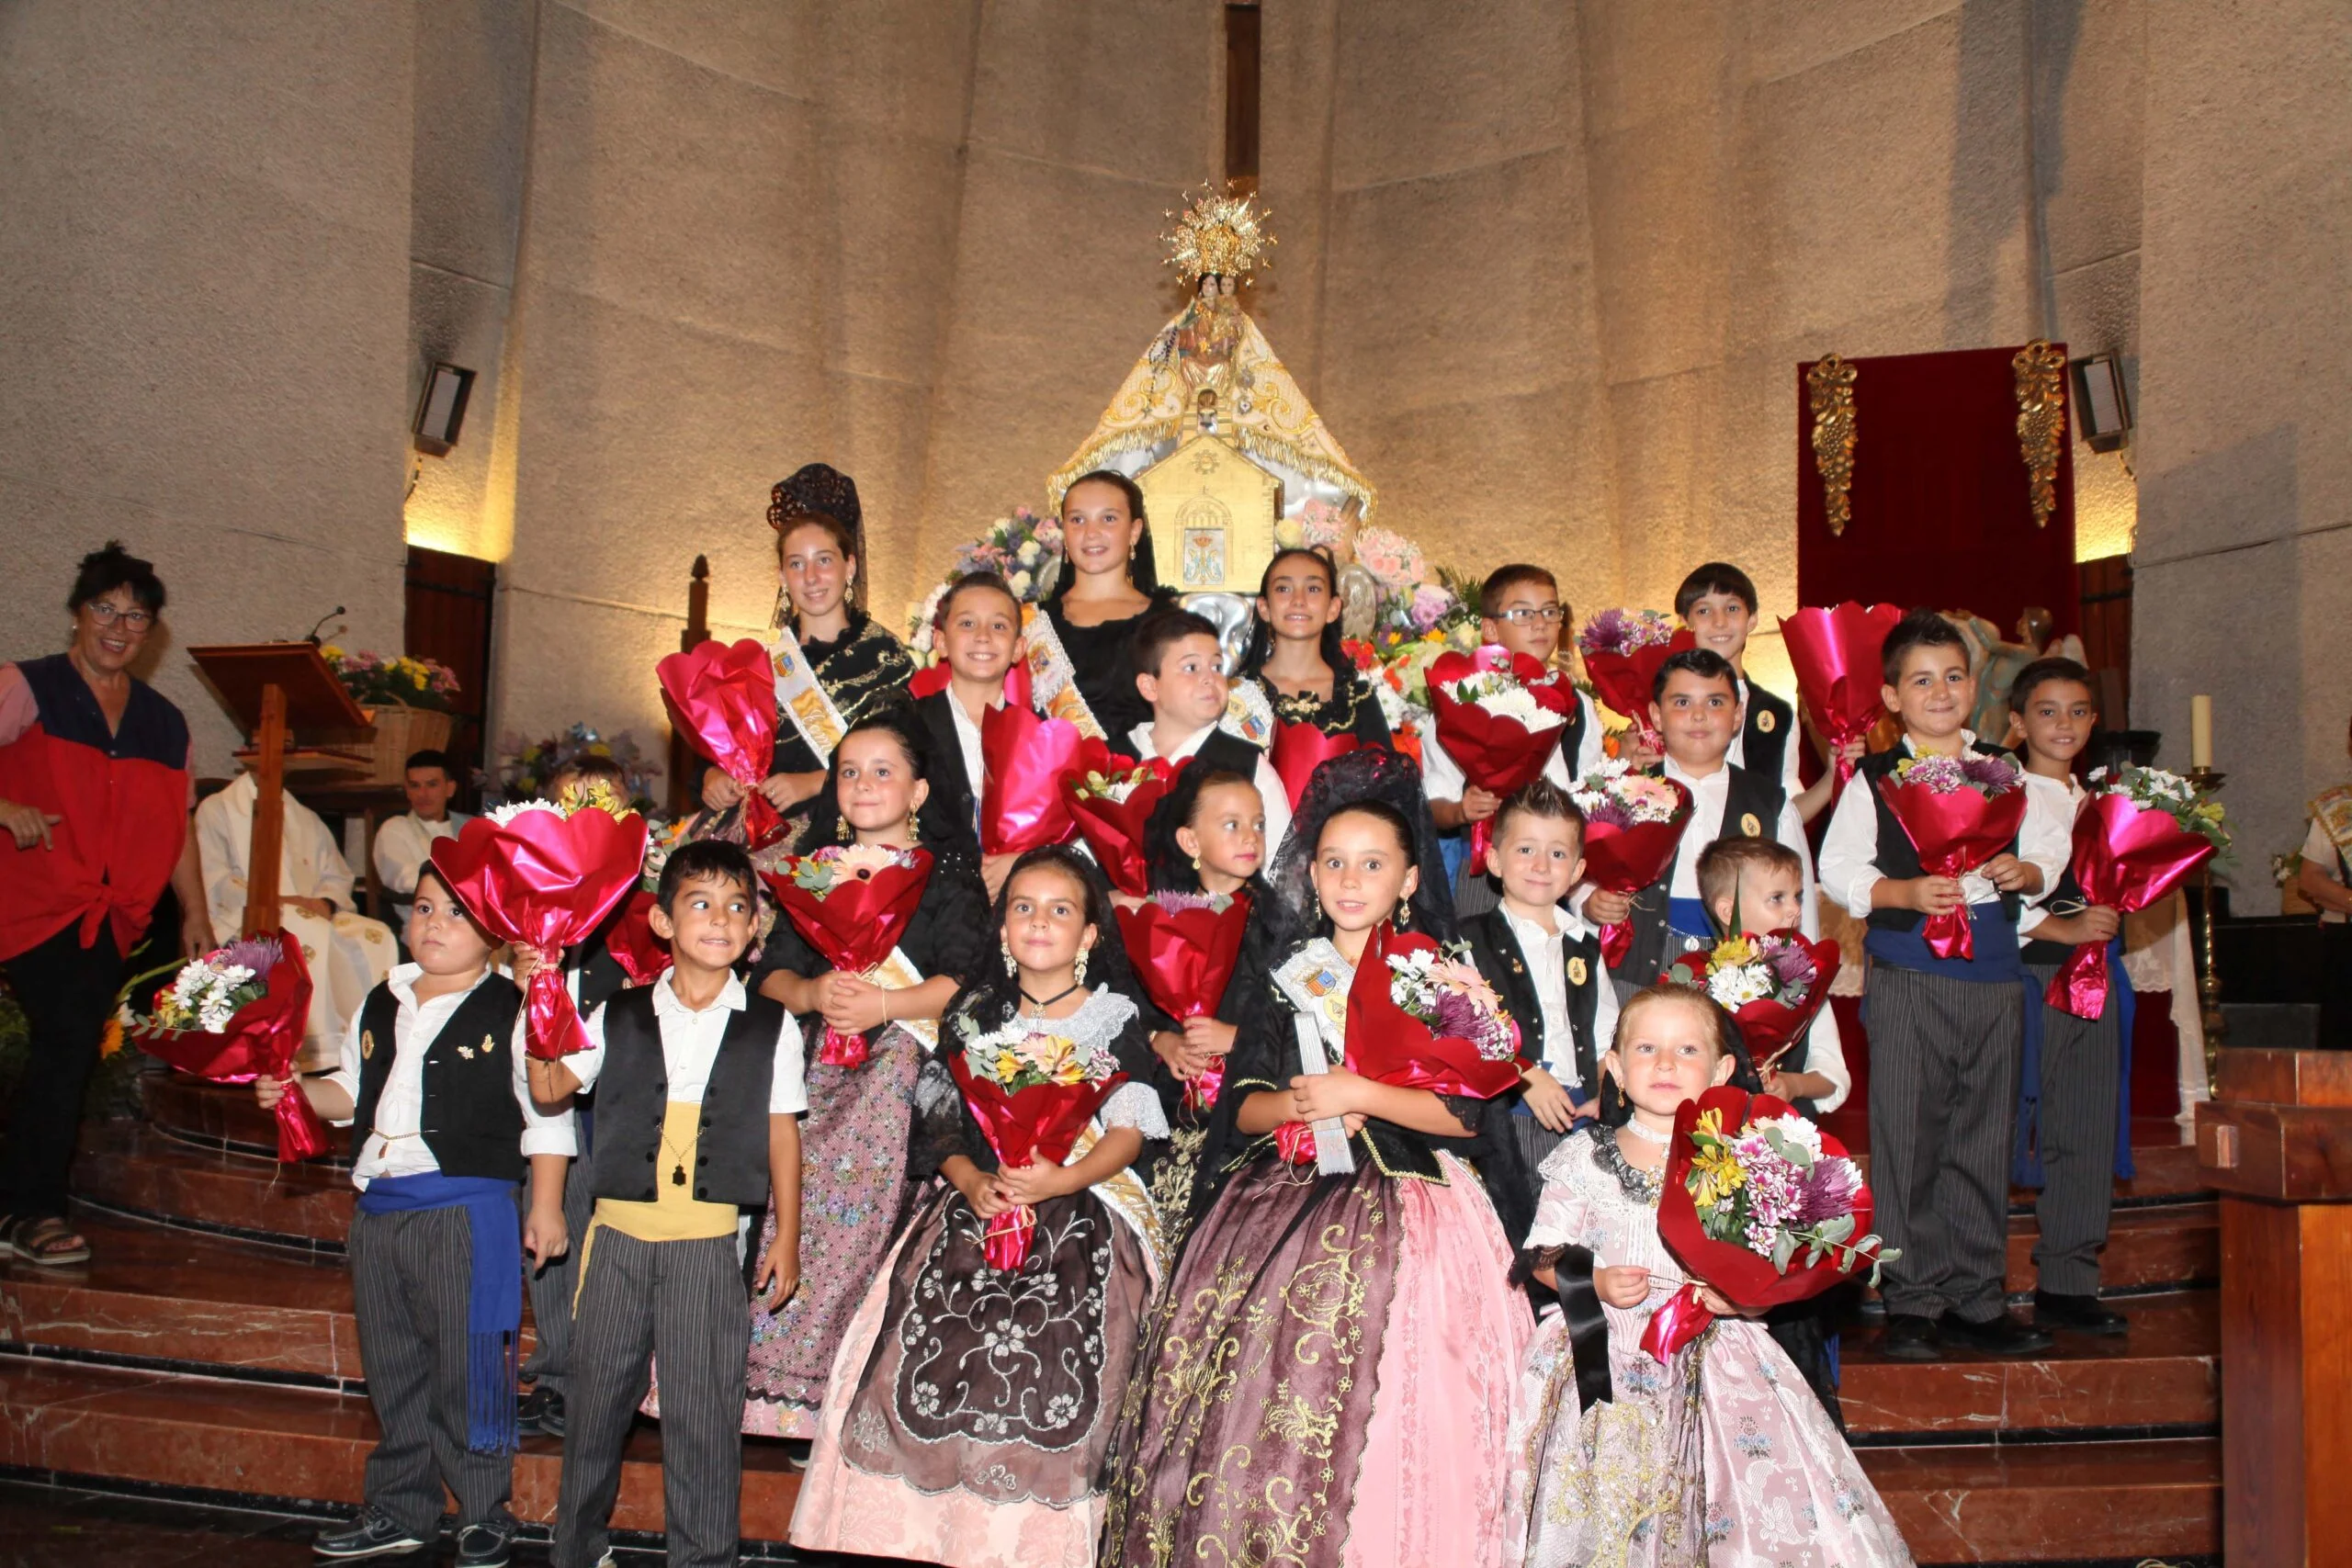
<point>801,697</point>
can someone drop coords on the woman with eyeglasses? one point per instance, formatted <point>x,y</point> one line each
<point>93,803</point>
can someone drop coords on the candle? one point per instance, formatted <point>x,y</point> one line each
<point>2201,732</point>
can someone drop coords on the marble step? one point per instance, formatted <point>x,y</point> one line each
<point>141,1172</point>
<point>294,1443</point>
<point>2165,1373</point>
<point>218,1116</point>
<point>2054,1502</point>
<point>2176,1244</point>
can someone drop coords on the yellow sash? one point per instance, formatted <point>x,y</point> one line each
<point>1053,682</point>
<point>675,1214</point>
<point>801,699</point>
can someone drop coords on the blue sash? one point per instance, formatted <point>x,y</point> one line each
<point>494,1293</point>
<point>1995,934</point>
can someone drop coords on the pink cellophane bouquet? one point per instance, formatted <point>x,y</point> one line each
<point>1958,813</point>
<point>234,1015</point>
<point>722,699</point>
<point>1836,654</point>
<point>1110,797</point>
<point>2139,835</point>
<point>1184,947</point>
<point>1032,1092</point>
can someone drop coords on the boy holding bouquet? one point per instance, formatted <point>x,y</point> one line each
<point>1179,670</point>
<point>431,1082</point>
<point>698,1120</point>
<point>1718,602</point>
<point>2074,1094</point>
<point>1946,1027</point>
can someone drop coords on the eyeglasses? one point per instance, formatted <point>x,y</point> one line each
<point>1528,615</point>
<point>106,614</point>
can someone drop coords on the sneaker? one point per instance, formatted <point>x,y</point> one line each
<point>372,1534</point>
<point>541,1411</point>
<point>2079,1314</point>
<point>486,1545</point>
<point>1998,1336</point>
<point>1908,1338</point>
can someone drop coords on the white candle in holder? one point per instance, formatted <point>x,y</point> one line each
<point>2201,732</point>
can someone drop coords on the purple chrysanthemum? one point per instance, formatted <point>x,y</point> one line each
<point>1828,1192</point>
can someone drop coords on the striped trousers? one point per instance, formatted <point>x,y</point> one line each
<point>683,1302</point>
<point>553,1288</point>
<point>409,1275</point>
<point>1945,1056</point>
<point>2081,1060</point>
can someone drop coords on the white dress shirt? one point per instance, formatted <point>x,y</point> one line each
<point>1849,849</point>
<point>967,741</point>
<point>1548,965</point>
<point>2065,797</point>
<point>403,846</point>
<point>1442,779</point>
<point>394,1147</point>
<point>690,1042</point>
<point>1270,783</point>
<point>1737,756</point>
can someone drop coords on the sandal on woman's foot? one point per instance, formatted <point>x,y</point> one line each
<point>48,1243</point>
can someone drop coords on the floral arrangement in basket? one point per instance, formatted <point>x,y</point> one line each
<point>1033,1092</point>
<point>375,680</point>
<point>526,766</point>
<point>1024,548</point>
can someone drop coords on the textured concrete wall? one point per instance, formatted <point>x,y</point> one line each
<point>2245,558</point>
<point>204,292</point>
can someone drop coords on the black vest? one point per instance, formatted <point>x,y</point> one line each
<point>1752,803</point>
<point>1228,753</point>
<point>2069,895</point>
<point>1897,856</point>
<point>471,1119</point>
<point>950,803</point>
<point>1496,947</point>
<point>633,1097</point>
<point>1764,733</point>
<point>1572,732</point>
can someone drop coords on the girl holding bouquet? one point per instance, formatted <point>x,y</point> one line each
<point>1332,1365</point>
<point>1295,652</point>
<point>854,1174</point>
<point>972,1401</point>
<point>1717,1454</point>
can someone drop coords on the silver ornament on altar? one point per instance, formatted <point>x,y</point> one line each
<point>1233,616</point>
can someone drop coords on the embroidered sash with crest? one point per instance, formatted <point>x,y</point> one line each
<point>1315,978</point>
<point>1052,680</point>
<point>802,698</point>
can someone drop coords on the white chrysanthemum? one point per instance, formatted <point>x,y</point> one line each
<point>1736,986</point>
<point>1797,1131</point>
<point>503,815</point>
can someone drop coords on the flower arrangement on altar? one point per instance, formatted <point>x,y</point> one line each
<point>1023,547</point>
<point>375,680</point>
<point>526,766</point>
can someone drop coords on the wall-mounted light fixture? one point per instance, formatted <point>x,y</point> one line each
<point>442,410</point>
<point>2102,406</point>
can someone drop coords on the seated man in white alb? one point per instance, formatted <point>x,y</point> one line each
<point>406,843</point>
<point>348,955</point>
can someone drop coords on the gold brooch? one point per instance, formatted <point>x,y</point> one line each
<point>487,1044</point>
<point>467,1052</point>
<point>1749,826</point>
<point>367,1044</point>
<point>1578,972</point>
<point>1765,721</point>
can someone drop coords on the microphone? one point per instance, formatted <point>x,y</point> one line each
<point>314,638</point>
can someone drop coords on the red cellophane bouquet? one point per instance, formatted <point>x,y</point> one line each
<point>544,877</point>
<point>1024,757</point>
<point>1110,799</point>
<point>1033,1092</point>
<point>1421,1016</point>
<point>1632,826</point>
<point>2138,835</point>
<point>1762,1205</point>
<point>1498,715</point>
<point>851,903</point>
<point>630,940</point>
<point>1623,650</point>
<point>1959,812</point>
<point>1300,749</point>
<point>1773,985</point>
<point>1836,654</point>
<point>234,1015</point>
<point>1184,947</point>
<point>722,699</point>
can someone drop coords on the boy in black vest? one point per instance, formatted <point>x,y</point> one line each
<point>2074,1091</point>
<point>1546,963</point>
<point>698,1090</point>
<point>442,1126</point>
<point>1945,1034</point>
<point>1718,602</point>
<point>1179,670</point>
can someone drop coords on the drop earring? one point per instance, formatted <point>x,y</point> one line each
<point>1005,948</point>
<point>1078,969</point>
<point>841,831</point>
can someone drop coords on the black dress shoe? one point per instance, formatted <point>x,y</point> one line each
<point>372,1534</point>
<point>540,1411</point>
<point>2077,1314</point>
<point>487,1545</point>
<point>2001,1336</point>
<point>1908,1338</point>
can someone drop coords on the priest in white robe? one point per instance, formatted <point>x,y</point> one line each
<point>348,955</point>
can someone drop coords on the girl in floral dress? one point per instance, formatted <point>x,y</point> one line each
<point>1720,1455</point>
<point>854,1184</point>
<point>971,1406</point>
<point>1330,1376</point>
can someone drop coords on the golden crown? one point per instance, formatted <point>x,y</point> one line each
<point>1219,233</point>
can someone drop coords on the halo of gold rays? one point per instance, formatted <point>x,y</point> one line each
<point>1221,232</point>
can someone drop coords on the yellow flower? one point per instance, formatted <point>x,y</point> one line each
<point>1008,1066</point>
<point>111,1041</point>
<point>1733,951</point>
<point>1715,1175</point>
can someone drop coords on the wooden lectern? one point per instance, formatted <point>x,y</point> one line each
<point>290,705</point>
<point>2276,1141</point>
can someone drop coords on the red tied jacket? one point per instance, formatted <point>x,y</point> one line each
<point>123,796</point>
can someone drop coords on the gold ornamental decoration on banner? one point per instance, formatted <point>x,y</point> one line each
<point>2042,421</point>
<point>1830,383</point>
